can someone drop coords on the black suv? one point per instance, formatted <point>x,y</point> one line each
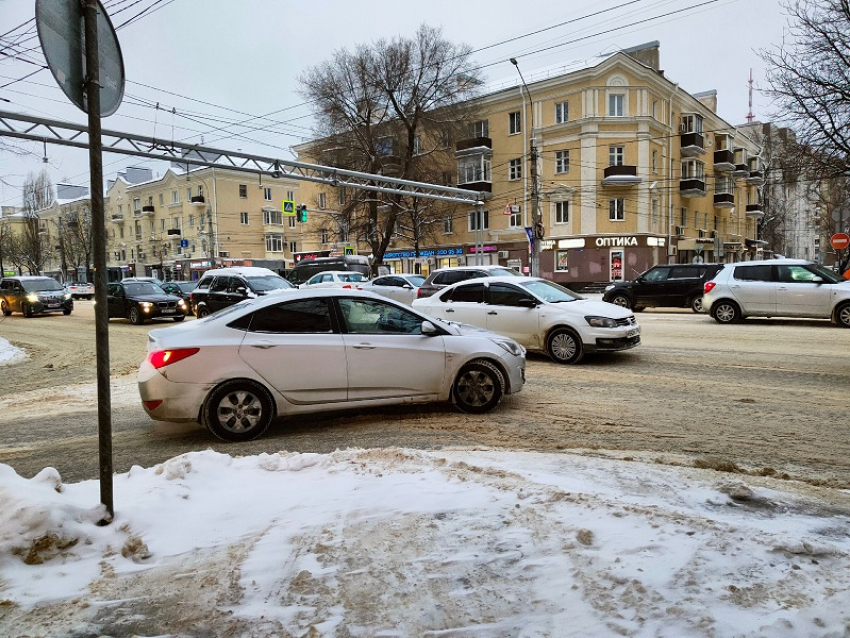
<point>140,300</point>
<point>442,277</point>
<point>32,295</point>
<point>670,286</point>
<point>224,287</point>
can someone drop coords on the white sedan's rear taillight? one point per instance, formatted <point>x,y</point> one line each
<point>708,286</point>
<point>161,358</point>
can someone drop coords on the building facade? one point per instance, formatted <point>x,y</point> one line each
<point>631,171</point>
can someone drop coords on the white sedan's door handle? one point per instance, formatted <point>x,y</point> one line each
<point>449,310</point>
<point>263,345</point>
<point>492,312</point>
<point>364,346</point>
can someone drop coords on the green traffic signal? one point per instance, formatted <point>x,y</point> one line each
<point>301,211</point>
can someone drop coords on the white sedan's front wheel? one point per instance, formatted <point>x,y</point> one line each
<point>479,387</point>
<point>564,346</point>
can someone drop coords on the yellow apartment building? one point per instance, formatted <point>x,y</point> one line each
<point>631,171</point>
<point>183,223</point>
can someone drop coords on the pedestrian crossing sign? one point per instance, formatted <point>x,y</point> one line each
<point>289,207</point>
<point>348,250</point>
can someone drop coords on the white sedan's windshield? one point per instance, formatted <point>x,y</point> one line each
<point>265,283</point>
<point>550,291</point>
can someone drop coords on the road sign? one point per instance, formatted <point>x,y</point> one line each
<point>184,243</point>
<point>348,250</point>
<point>288,207</point>
<point>60,30</point>
<point>840,241</point>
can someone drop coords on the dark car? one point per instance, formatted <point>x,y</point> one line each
<point>442,277</point>
<point>182,289</point>
<point>139,301</point>
<point>33,295</point>
<point>224,287</point>
<point>664,286</point>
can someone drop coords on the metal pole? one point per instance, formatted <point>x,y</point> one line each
<point>536,223</point>
<point>101,317</point>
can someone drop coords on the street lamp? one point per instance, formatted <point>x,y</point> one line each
<point>536,226</point>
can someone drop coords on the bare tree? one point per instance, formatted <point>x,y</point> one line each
<point>37,195</point>
<point>809,78</point>
<point>392,109</point>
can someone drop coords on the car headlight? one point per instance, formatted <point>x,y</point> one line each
<point>32,298</point>
<point>601,322</point>
<point>609,287</point>
<point>510,346</point>
<point>67,295</point>
<point>145,305</point>
<point>181,303</point>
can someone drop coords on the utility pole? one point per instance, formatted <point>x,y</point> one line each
<point>537,232</point>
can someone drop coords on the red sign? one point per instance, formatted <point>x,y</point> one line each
<point>840,241</point>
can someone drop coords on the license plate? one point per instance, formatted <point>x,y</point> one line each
<point>169,311</point>
<point>53,304</point>
<point>633,333</point>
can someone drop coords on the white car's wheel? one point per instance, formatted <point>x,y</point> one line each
<point>479,387</point>
<point>238,410</point>
<point>564,346</point>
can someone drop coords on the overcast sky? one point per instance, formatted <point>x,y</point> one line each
<point>209,63</point>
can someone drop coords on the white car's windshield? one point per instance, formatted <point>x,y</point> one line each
<point>550,291</point>
<point>268,282</point>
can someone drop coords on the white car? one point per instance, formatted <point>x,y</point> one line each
<point>400,287</point>
<point>317,350</point>
<point>777,288</point>
<point>81,290</point>
<point>538,314</point>
<point>335,279</point>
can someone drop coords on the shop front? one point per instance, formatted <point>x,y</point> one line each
<point>586,260</point>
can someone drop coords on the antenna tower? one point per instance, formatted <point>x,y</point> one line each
<point>750,115</point>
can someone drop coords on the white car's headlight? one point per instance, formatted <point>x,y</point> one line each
<point>601,322</point>
<point>510,346</point>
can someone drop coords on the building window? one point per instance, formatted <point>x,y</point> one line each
<point>655,213</point>
<point>617,209</point>
<point>473,169</point>
<point>683,217</point>
<point>693,169</point>
<point>274,243</point>
<point>562,161</point>
<point>137,205</point>
<point>324,235</point>
<point>654,161</point>
<point>616,105</point>
<point>191,221</point>
<point>417,145</point>
<point>515,168</point>
<point>691,123</point>
<point>162,224</point>
<point>243,191</point>
<point>480,128</point>
<point>243,218</point>
<point>516,219</point>
<point>292,220</point>
<point>514,123</point>
<point>161,199</point>
<point>562,212</point>
<point>290,195</point>
<point>175,197</point>
<point>340,196</point>
<point>271,217</point>
<point>616,155</point>
<point>479,220</point>
<point>322,201</point>
<point>562,112</point>
<point>189,194</point>
<point>293,246</point>
<point>200,190</point>
<point>267,193</point>
<point>655,109</point>
<point>448,225</point>
<point>724,184</point>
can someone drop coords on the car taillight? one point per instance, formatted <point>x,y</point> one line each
<point>161,358</point>
<point>347,286</point>
<point>708,286</point>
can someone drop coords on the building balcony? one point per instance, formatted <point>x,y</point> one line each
<point>724,200</point>
<point>755,211</point>
<point>741,170</point>
<point>473,145</point>
<point>481,187</point>
<point>147,211</point>
<point>755,178</point>
<point>724,161</point>
<point>620,176</point>
<point>692,188</point>
<point>692,144</point>
<point>198,200</point>
<point>174,233</point>
<point>117,217</point>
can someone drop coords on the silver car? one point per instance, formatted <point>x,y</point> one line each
<point>316,350</point>
<point>777,288</point>
<point>402,288</point>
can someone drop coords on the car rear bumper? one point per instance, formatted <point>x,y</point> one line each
<point>180,402</point>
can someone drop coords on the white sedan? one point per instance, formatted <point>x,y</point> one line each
<point>399,287</point>
<point>317,350</point>
<point>335,279</point>
<point>538,314</point>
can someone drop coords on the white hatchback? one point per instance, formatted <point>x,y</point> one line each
<point>318,350</point>
<point>335,279</point>
<point>777,288</point>
<point>538,314</point>
<point>401,287</point>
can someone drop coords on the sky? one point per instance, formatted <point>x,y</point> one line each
<point>398,542</point>
<point>195,67</point>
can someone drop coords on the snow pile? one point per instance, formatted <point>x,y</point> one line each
<point>400,543</point>
<point>9,354</point>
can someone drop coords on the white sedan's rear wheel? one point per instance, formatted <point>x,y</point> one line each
<point>238,410</point>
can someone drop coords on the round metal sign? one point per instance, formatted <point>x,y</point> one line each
<point>61,32</point>
<point>840,241</point>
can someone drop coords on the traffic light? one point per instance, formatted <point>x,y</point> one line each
<point>301,212</point>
